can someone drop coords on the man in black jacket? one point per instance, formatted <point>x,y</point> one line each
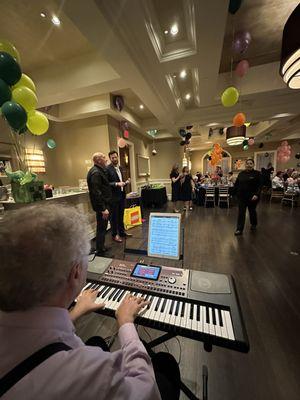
<point>100,195</point>
<point>247,188</point>
<point>116,179</point>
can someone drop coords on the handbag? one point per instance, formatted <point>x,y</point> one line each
<point>132,217</point>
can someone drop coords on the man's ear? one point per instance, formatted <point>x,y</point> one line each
<point>75,273</point>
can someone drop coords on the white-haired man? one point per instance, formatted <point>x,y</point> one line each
<point>43,269</point>
<point>101,197</point>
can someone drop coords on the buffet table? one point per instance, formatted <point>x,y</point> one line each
<point>80,200</point>
<point>154,197</point>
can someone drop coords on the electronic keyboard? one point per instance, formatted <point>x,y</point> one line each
<point>194,304</point>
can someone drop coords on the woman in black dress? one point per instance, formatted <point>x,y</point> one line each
<point>175,176</point>
<point>187,186</point>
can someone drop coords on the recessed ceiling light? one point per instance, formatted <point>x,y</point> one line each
<point>183,74</point>
<point>208,142</point>
<point>43,15</point>
<point>174,76</point>
<point>282,115</point>
<point>213,124</point>
<point>174,29</point>
<point>55,20</point>
<point>166,32</point>
<point>141,106</point>
<point>187,96</point>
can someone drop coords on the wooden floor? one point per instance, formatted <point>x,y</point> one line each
<point>266,268</point>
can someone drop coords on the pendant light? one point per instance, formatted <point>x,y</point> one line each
<point>235,135</point>
<point>290,51</point>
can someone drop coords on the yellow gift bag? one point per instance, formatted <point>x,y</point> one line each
<point>132,217</point>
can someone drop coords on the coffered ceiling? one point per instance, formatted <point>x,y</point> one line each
<point>171,56</point>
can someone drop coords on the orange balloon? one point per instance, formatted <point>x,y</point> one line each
<point>239,119</point>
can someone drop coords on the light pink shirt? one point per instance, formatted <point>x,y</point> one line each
<point>85,372</point>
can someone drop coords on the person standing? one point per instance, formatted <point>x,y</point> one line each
<point>187,186</point>
<point>116,181</point>
<point>247,187</point>
<point>175,184</point>
<point>101,196</point>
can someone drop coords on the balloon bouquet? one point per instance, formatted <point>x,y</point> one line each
<point>18,102</point>
<point>284,152</point>
<point>215,154</point>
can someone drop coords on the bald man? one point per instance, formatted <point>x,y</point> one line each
<point>101,196</point>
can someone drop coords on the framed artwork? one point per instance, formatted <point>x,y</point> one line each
<point>239,163</point>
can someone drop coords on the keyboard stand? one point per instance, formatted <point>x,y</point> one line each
<point>190,395</point>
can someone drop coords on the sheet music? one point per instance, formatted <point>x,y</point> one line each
<point>164,236</point>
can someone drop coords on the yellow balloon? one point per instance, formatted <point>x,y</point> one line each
<point>37,122</point>
<point>10,49</point>
<point>25,81</point>
<point>25,97</point>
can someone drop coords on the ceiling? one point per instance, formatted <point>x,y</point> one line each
<point>120,47</point>
<point>264,19</point>
<point>39,42</point>
<point>133,103</point>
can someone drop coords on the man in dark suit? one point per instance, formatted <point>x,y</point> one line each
<point>101,196</point>
<point>247,188</point>
<point>116,179</point>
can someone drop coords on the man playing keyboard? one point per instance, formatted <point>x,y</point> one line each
<point>43,269</point>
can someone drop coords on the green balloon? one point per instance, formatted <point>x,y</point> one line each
<point>5,92</point>
<point>51,143</point>
<point>230,96</point>
<point>14,114</point>
<point>10,70</point>
<point>23,130</point>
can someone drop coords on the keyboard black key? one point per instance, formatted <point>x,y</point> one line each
<point>213,316</point>
<point>192,311</point>
<point>157,304</point>
<point>101,291</point>
<point>177,308</point>
<point>163,306</point>
<point>149,299</point>
<point>207,315</point>
<point>171,307</point>
<point>220,317</point>
<point>116,294</point>
<point>106,291</point>
<point>182,310</point>
<point>121,295</point>
<point>198,312</point>
<point>112,294</point>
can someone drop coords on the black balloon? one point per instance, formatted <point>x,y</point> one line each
<point>298,164</point>
<point>5,92</point>
<point>210,132</point>
<point>234,6</point>
<point>221,131</point>
<point>266,154</point>
<point>261,145</point>
<point>182,132</point>
<point>10,70</point>
<point>209,158</point>
<point>297,155</point>
<point>182,143</point>
<point>188,136</point>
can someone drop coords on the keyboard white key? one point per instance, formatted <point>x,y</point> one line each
<point>224,328</point>
<point>211,325</point>
<point>188,322</point>
<point>218,327</point>
<point>229,325</point>
<point>194,320</point>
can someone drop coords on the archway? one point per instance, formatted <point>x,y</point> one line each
<point>225,163</point>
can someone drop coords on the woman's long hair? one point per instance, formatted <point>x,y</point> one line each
<point>175,168</point>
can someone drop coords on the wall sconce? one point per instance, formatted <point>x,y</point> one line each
<point>35,160</point>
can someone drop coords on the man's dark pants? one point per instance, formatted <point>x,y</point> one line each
<point>101,231</point>
<point>243,205</point>
<point>116,218</point>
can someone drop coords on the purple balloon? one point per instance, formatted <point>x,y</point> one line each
<point>241,42</point>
